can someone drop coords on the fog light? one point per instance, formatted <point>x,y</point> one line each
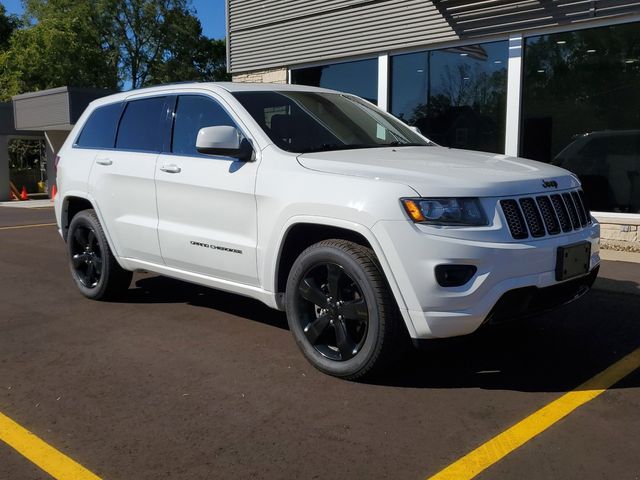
<point>454,275</point>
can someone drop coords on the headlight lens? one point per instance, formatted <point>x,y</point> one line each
<point>445,211</point>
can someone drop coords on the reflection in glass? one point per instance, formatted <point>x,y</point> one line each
<point>359,78</point>
<point>581,110</point>
<point>456,96</point>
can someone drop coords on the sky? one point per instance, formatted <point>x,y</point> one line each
<point>210,13</point>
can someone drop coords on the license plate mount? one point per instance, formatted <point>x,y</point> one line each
<point>573,260</point>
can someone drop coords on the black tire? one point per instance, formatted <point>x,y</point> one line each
<point>94,269</point>
<point>332,332</point>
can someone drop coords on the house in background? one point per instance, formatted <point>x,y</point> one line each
<point>552,80</point>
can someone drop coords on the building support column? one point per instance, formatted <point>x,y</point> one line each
<point>383,82</point>
<point>4,168</point>
<point>514,93</point>
<point>54,140</point>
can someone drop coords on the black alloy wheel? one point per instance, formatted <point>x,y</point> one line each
<point>94,268</point>
<point>341,312</point>
<point>86,256</point>
<point>337,319</point>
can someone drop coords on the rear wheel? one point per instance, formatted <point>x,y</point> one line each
<point>94,269</point>
<point>340,310</point>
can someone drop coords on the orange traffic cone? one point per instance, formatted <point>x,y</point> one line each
<point>23,194</point>
<point>54,191</point>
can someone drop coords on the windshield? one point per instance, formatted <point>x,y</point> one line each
<point>304,122</point>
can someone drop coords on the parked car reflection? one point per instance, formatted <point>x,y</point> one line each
<point>608,165</point>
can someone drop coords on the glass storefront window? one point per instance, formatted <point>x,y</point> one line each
<point>359,77</point>
<point>456,96</point>
<point>581,110</point>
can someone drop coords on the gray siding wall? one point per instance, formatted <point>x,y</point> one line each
<point>277,33</point>
<point>37,111</point>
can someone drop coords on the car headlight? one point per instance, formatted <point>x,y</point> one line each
<point>445,211</point>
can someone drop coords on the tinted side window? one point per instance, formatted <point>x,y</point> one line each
<point>141,125</point>
<point>99,131</point>
<point>194,112</point>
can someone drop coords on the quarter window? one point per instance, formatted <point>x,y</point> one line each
<point>194,112</point>
<point>100,129</point>
<point>141,125</point>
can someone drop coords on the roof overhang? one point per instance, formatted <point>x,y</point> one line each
<point>52,109</point>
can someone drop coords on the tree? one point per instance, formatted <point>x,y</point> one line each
<point>61,47</point>
<point>161,41</point>
<point>107,44</point>
<point>8,23</point>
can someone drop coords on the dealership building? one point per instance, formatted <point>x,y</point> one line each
<point>553,80</point>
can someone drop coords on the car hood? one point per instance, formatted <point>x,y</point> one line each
<point>440,171</point>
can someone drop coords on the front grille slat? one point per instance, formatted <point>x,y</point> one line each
<point>546,214</point>
<point>515,220</point>
<point>532,217</point>
<point>573,213</point>
<point>581,213</point>
<point>583,206</point>
<point>562,213</point>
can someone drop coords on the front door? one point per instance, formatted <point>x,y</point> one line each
<point>206,204</point>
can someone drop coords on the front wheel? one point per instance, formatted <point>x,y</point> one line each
<point>340,310</point>
<point>94,268</point>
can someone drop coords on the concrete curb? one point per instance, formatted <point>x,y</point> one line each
<point>28,204</point>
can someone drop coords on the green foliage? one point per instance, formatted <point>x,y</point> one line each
<point>105,44</point>
<point>54,52</point>
<point>8,23</point>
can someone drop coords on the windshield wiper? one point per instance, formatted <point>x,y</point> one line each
<point>327,147</point>
<point>396,143</point>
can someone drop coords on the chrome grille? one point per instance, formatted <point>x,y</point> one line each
<point>546,214</point>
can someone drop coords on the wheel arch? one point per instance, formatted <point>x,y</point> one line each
<point>71,206</point>
<point>301,233</point>
<point>74,203</point>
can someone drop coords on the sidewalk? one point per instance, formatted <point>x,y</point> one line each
<point>28,203</point>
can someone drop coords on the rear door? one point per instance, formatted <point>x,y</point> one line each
<point>122,179</point>
<point>206,203</point>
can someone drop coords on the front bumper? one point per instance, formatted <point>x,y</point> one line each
<point>438,312</point>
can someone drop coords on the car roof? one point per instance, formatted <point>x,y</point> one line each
<point>228,86</point>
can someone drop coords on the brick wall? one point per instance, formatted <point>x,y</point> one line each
<point>616,236</point>
<point>275,75</point>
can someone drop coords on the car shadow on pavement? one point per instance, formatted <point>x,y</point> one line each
<point>553,352</point>
<point>160,289</point>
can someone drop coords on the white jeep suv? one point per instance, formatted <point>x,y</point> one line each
<point>318,203</point>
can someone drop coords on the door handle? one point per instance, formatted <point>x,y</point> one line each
<point>104,161</point>
<point>170,168</point>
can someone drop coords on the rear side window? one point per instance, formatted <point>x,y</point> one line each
<point>141,125</point>
<point>99,131</point>
<point>194,112</point>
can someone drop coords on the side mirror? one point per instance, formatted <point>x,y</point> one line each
<point>225,141</point>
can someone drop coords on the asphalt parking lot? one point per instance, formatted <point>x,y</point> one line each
<point>182,382</point>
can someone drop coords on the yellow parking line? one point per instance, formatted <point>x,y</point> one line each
<point>506,442</point>
<point>46,457</point>
<point>15,227</point>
